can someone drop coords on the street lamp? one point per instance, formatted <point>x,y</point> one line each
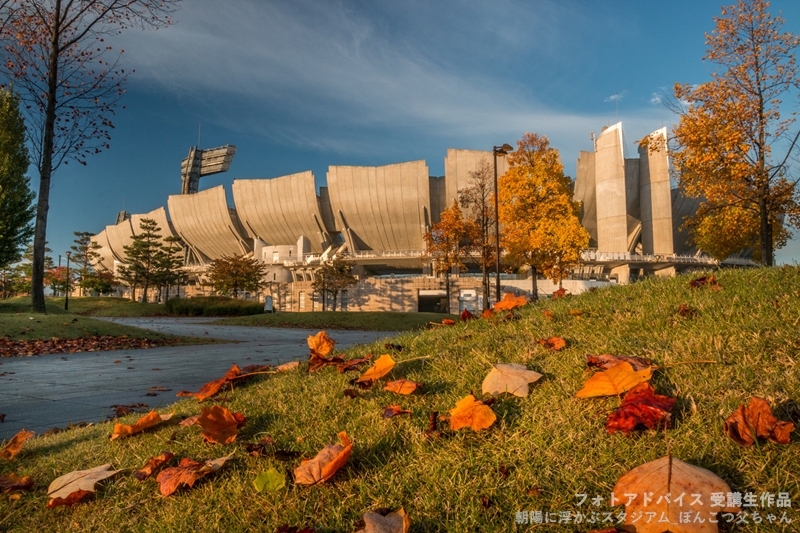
<point>498,150</point>
<point>66,291</point>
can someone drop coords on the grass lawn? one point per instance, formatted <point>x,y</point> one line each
<point>17,322</point>
<point>542,450</point>
<point>369,321</point>
<point>111,306</point>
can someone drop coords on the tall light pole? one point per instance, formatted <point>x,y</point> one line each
<point>498,150</point>
<point>66,291</point>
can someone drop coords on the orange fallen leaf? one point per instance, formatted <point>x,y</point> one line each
<point>153,464</point>
<point>383,522</point>
<point>560,293</point>
<point>381,367</point>
<point>669,475</point>
<point>190,421</point>
<point>187,472</point>
<point>685,310</point>
<point>641,407</point>
<point>321,344</point>
<point>220,425</point>
<point>322,467</point>
<point>553,343</point>
<point>548,314</point>
<point>755,422</point>
<point>147,421</point>
<point>473,413</point>
<point>12,482</point>
<point>393,410</point>
<point>71,488</point>
<point>510,302</point>
<point>703,281</point>
<point>14,446</point>
<point>614,381</point>
<point>213,387</point>
<point>487,313</point>
<point>576,312</point>
<point>402,386</point>
<point>448,322</point>
<point>509,378</point>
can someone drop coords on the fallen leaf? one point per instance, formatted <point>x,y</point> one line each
<point>14,446</point>
<point>704,281</point>
<point>12,482</point>
<point>187,472</point>
<point>486,502</point>
<point>220,425</point>
<point>402,386</point>
<point>322,467</point>
<point>393,410</point>
<point>487,313</point>
<point>190,421</point>
<point>576,312</point>
<point>511,378</point>
<point>548,314</point>
<point>351,393</point>
<point>553,343</point>
<point>473,413</point>
<point>257,449</point>
<point>286,367</point>
<point>269,481</point>
<point>560,293</point>
<point>381,367</point>
<point>641,407</point>
<point>395,347</point>
<point>614,381</point>
<point>606,361</point>
<point>467,315</point>
<point>756,421</point>
<point>432,431</point>
<point>448,322</point>
<point>685,310</point>
<point>510,302</point>
<point>316,361</point>
<point>213,387</point>
<point>321,344</point>
<point>396,522</point>
<point>149,420</point>
<point>352,364</point>
<point>669,475</point>
<point>294,529</point>
<point>363,385</point>
<point>152,465</point>
<point>71,488</point>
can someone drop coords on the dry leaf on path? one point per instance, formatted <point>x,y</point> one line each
<point>757,418</point>
<point>14,446</point>
<point>614,381</point>
<point>511,378</point>
<point>473,413</point>
<point>396,522</point>
<point>153,464</point>
<point>381,367</point>
<point>322,467</point>
<point>669,475</point>
<point>641,407</point>
<point>71,488</point>
<point>393,410</point>
<point>606,361</point>
<point>510,302</point>
<point>187,472</point>
<point>402,386</point>
<point>553,343</point>
<point>147,421</point>
<point>12,482</point>
<point>220,425</point>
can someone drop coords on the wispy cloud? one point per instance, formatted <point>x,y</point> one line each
<point>616,97</point>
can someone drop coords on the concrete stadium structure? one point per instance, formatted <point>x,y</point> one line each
<point>377,216</point>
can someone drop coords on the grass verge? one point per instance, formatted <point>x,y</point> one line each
<point>542,450</point>
<point>369,321</point>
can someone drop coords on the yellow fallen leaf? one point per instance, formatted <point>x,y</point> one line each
<point>381,367</point>
<point>473,413</point>
<point>614,381</point>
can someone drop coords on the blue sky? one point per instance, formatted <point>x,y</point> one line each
<point>300,85</point>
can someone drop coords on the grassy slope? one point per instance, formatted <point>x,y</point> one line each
<point>111,306</point>
<point>550,440</point>
<point>369,321</point>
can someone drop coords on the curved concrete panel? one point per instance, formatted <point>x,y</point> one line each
<point>279,210</point>
<point>656,198</point>
<point>457,167</point>
<point>682,208</point>
<point>204,222</point>
<point>160,216</point>
<point>381,208</point>
<point>119,236</point>
<point>612,216</point>
<point>106,260</point>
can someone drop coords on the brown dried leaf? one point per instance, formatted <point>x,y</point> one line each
<point>213,387</point>
<point>12,482</point>
<point>352,364</point>
<point>393,410</point>
<point>322,467</point>
<point>152,465</point>
<point>756,421</point>
<point>376,522</point>
<point>187,472</point>
<point>286,367</point>
<point>641,407</point>
<point>220,425</point>
<point>614,381</point>
<point>606,361</point>
<point>14,446</point>
<point>149,420</point>
<point>685,310</point>
<point>402,386</point>
<point>553,343</point>
<point>73,487</point>
<point>509,378</point>
<point>190,421</point>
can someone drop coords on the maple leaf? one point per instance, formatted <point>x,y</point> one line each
<point>402,386</point>
<point>553,343</point>
<point>187,472</point>
<point>213,387</point>
<point>548,314</point>
<point>220,425</point>
<point>756,421</point>
<point>467,315</point>
<point>393,410</point>
<point>393,522</point>
<point>473,413</point>
<point>614,381</point>
<point>352,364</point>
<point>382,366</point>
<point>149,420</point>
<point>669,475</point>
<point>153,464</point>
<point>641,407</point>
<point>511,378</point>
<point>510,302</point>
<point>560,293</point>
<point>321,344</point>
<point>606,361</point>
<point>316,361</point>
<point>14,446</point>
<point>12,482</point>
<point>325,464</point>
<point>71,488</point>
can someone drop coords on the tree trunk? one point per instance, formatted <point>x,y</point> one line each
<point>144,290</point>
<point>485,287</point>
<point>133,292</point>
<point>334,295</point>
<point>447,291</point>
<point>534,287</point>
<point>765,232</point>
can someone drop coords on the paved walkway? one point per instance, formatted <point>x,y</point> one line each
<point>41,392</point>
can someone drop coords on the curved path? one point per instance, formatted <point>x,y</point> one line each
<point>41,392</point>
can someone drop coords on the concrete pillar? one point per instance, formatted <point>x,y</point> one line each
<point>656,196</point>
<point>585,193</point>
<point>612,223</point>
<point>623,274</point>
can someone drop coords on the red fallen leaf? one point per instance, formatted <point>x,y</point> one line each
<point>220,425</point>
<point>12,482</point>
<point>756,421</point>
<point>641,407</point>
<point>705,281</point>
<point>685,310</point>
<point>71,488</point>
<point>553,343</point>
<point>352,364</point>
<point>487,313</point>
<point>213,387</point>
<point>187,472</point>
<point>606,361</point>
<point>393,410</point>
<point>466,315</point>
<point>152,465</point>
<point>560,293</point>
<point>14,446</point>
<point>448,322</point>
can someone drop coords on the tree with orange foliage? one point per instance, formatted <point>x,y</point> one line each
<point>55,54</point>
<point>733,148</point>
<point>540,223</point>
<point>447,244</point>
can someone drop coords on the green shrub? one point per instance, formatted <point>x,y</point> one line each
<point>212,306</point>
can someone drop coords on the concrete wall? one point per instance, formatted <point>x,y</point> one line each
<point>585,193</point>
<point>612,219</point>
<point>457,167</point>
<point>682,207</point>
<point>119,236</point>
<point>656,197</point>
<point>438,195</point>
<point>160,217</point>
<point>106,260</point>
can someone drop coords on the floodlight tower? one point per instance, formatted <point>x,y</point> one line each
<point>204,163</point>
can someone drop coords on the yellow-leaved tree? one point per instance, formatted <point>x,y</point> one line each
<point>447,244</point>
<point>539,219</point>
<point>732,146</point>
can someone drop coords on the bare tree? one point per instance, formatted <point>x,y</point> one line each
<point>477,201</point>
